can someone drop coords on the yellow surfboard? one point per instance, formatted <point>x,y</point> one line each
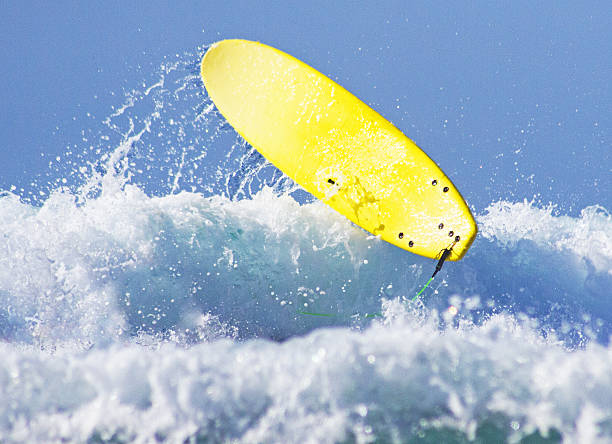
<point>337,148</point>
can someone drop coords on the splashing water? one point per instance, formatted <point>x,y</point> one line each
<point>155,294</point>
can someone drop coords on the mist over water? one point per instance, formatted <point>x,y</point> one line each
<point>155,289</point>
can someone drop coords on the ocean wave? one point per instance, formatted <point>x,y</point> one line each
<point>398,380</point>
<point>132,310</point>
<point>124,264</point>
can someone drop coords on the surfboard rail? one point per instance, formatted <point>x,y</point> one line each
<point>337,148</point>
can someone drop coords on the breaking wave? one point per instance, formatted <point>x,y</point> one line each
<point>164,291</point>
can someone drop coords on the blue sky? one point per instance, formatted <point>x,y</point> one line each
<point>512,101</point>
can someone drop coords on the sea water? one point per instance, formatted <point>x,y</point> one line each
<point>167,284</point>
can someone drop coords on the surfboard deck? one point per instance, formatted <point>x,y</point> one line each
<point>337,148</point>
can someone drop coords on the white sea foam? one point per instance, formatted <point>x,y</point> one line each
<point>588,237</point>
<point>395,382</point>
<point>141,303</point>
<point>126,262</point>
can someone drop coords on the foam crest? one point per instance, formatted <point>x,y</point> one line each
<point>588,237</point>
<point>396,382</point>
<point>124,264</point>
